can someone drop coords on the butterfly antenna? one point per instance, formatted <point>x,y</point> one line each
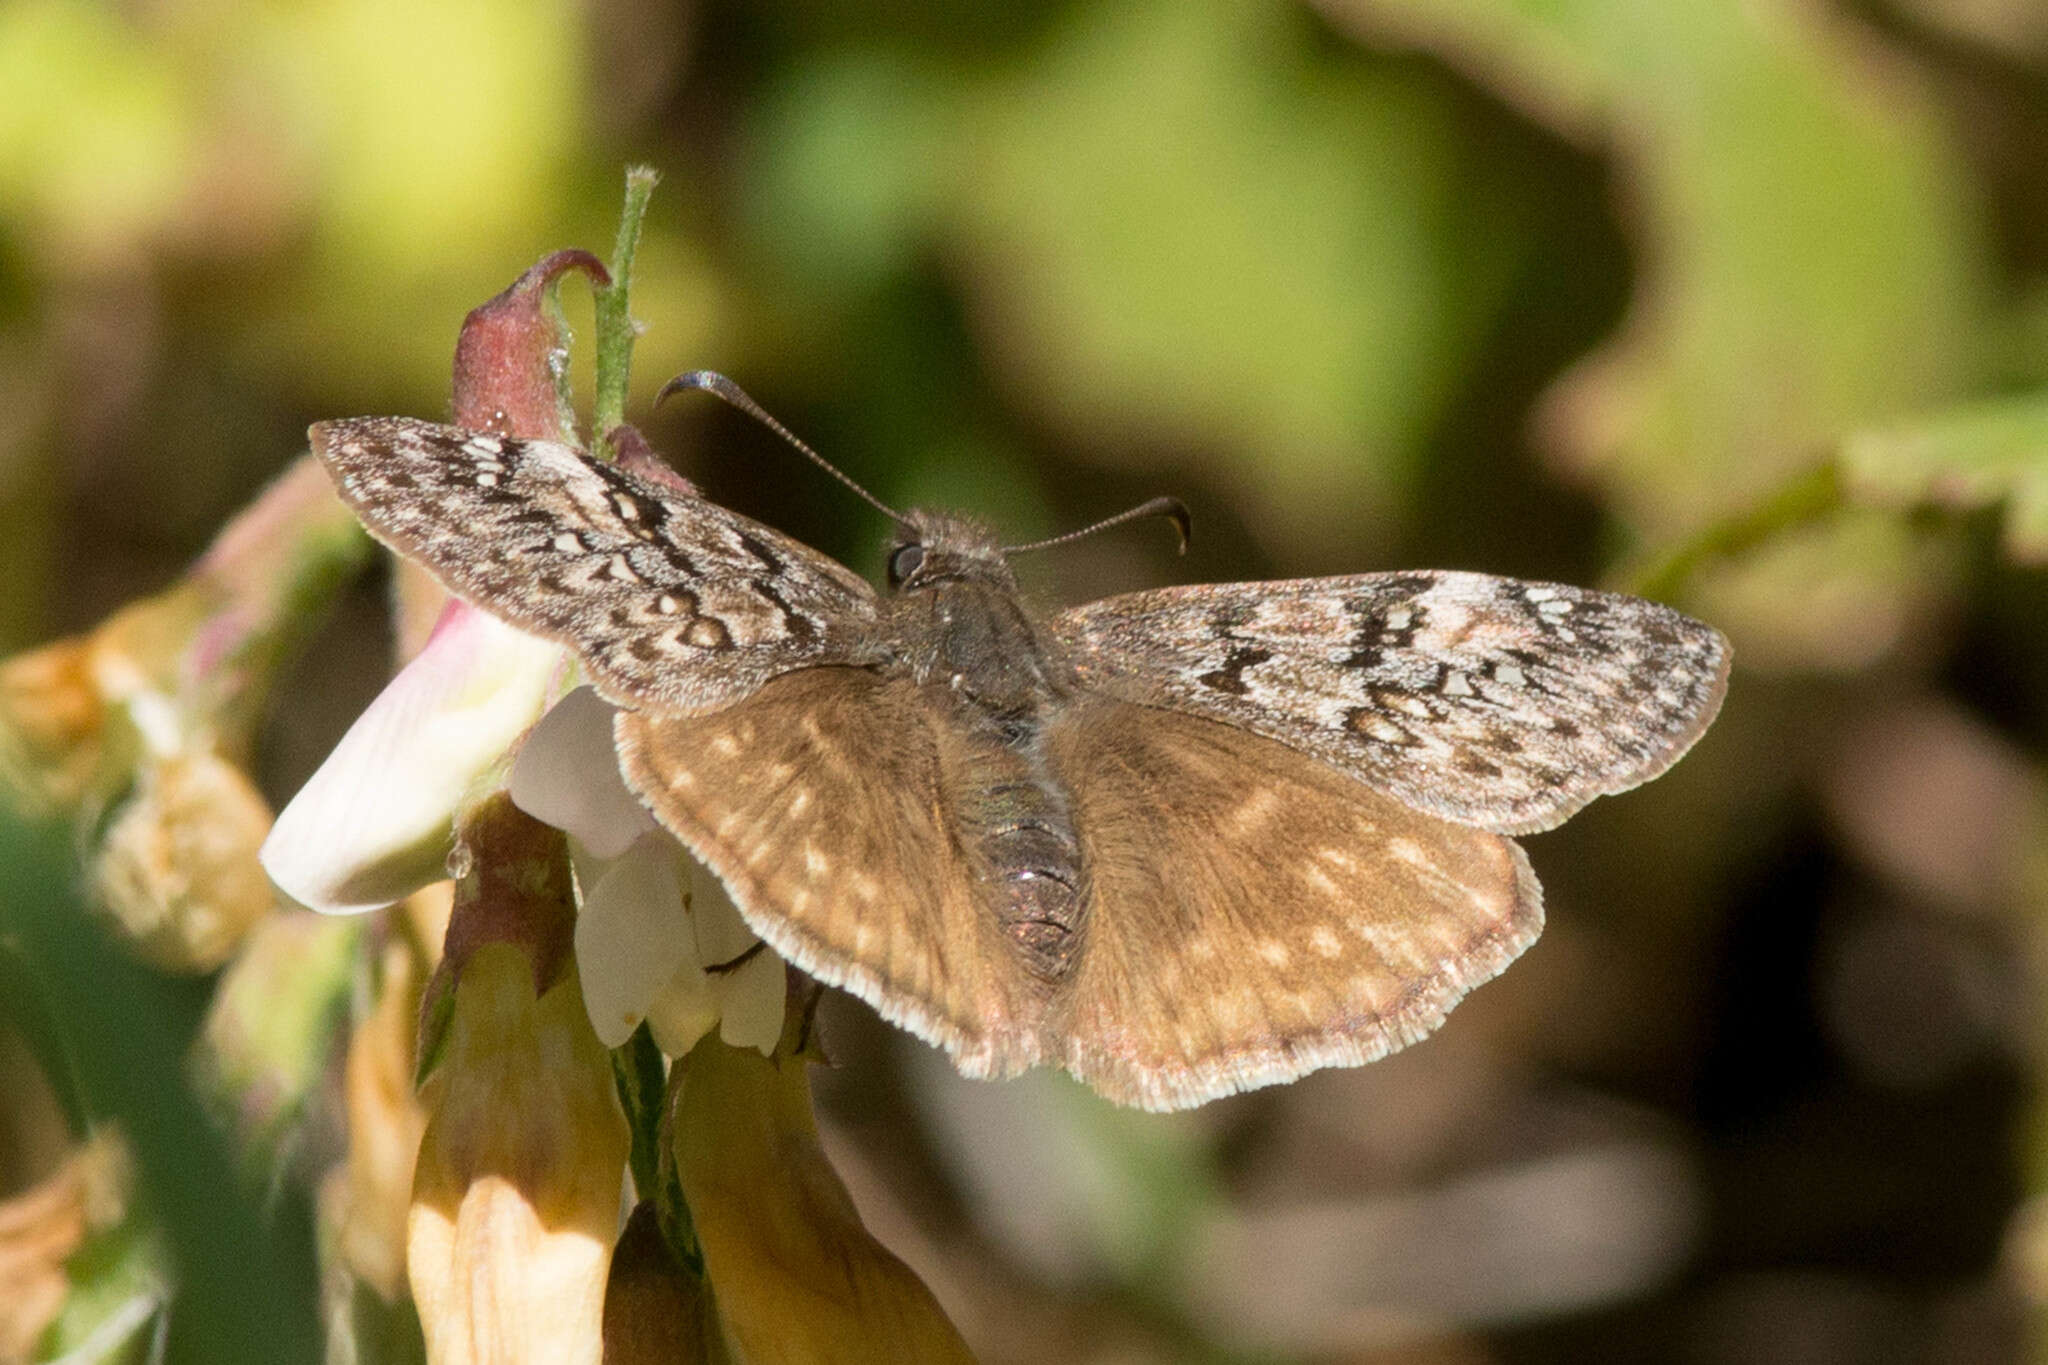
<point>710,381</point>
<point>1173,509</point>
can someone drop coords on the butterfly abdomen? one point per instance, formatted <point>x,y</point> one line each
<point>1033,863</point>
<point>983,666</point>
<point>1023,844</point>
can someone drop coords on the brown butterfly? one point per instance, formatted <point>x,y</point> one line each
<point>1182,843</point>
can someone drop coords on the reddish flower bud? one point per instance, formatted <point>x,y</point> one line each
<point>512,359</point>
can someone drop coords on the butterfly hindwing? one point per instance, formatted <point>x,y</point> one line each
<point>669,599</point>
<point>1489,701</point>
<point>1272,916</point>
<point>824,802</point>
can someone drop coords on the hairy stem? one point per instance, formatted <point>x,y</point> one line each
<point>615,327</point>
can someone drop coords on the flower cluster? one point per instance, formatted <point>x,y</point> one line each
<point>564,1007</point>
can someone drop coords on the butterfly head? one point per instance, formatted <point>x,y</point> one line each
<point>941,547</point>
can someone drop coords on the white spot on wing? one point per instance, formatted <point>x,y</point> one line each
<point>1339,858</point>
<point>1320,880</point>
<point>1408,851</point>
<point>1254,811</point>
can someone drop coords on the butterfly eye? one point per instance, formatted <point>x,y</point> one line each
<point>903,563</point>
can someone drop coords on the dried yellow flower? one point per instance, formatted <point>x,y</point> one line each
<point>516,1195</point>
<point>793,1272</point>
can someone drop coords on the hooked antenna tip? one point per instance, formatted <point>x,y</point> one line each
<point>1176,511</point>
<point>1173,509</point>
<point>710,380</point>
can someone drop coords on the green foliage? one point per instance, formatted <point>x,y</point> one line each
<point>1968,457</point>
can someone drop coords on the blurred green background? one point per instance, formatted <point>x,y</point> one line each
<point>1556,290</point>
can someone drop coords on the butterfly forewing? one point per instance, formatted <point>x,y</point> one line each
<point>669,599</point>
<point>1490,701</point>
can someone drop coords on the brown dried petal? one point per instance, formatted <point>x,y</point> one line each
<point>178,866</point>
<point>52,724</point>
<point>41,1227</point>
<point>654,1308</point>
<point>385,1122</point>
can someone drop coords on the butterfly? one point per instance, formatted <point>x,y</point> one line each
<point>1182,843</point>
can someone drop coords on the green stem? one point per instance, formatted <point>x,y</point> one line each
<point>1801,500</point>
<point>642,1082</point>
<point>615,329</point>
<point>676,1223</point>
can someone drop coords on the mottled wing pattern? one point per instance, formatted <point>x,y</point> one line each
<point>1273,917</point>
<point>669,599</point>
<point>1257,914</point>
<point>826,804</point>
<point>1489,701</point>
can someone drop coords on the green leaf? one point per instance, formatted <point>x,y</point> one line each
<point>118,1294</point>
<point>1195,233</point>
<point>272,1027</point>
<point>1809,261</point>
<point>1810,266</point>
<point>1966,458</point>
<point>1183,230</point>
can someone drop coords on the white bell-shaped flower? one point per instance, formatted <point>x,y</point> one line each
<point>657,938</point>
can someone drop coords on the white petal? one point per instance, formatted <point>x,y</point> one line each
<point>685,1011</point>
<point>567,775</point>
<point>632,936</point>
<point>750,1013</point>
<point>374,823</point>
<point>721,934</point>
